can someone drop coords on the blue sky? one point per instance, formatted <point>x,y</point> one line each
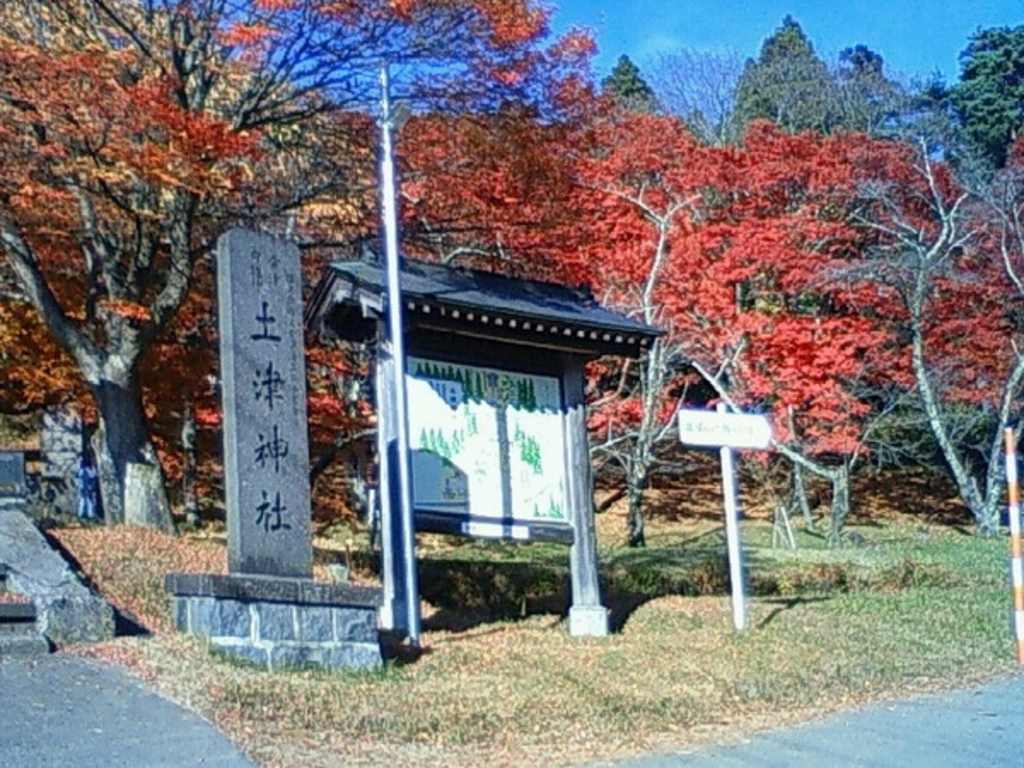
<point>914,37</point>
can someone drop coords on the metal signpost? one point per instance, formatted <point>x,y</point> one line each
<point>728,431</point>
<point>714,429</point>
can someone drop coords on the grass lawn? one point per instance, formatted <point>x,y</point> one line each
<point>915,607</point>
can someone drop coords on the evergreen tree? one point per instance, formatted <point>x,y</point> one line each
<point>989,99</point>
<point>787,84</point>
<point>628,87</point>
<point>867,100</point>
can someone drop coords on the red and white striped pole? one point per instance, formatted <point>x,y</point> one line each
<point>1016,560</point>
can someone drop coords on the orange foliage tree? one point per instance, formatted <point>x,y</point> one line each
<point>135,132</point>
<point>34,371</point>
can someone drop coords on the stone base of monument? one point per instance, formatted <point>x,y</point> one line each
<point>280,623</point>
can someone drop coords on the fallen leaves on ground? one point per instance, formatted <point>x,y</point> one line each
<point>516,692</point>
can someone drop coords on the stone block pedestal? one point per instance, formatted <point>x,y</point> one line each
<point>280,623</point>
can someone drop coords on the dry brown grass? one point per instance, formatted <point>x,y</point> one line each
<point>524,692</point>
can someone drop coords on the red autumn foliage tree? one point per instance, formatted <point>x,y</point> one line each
<point>107,204</point>
<point>485,190</point>
<point>493,188</point>
<point>803,344</point>
<point>640,189</point>
<point>756,260</point>
<point>732,251</point>
<point>953,258</point>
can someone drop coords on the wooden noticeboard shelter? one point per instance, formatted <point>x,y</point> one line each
<point>497,422</point>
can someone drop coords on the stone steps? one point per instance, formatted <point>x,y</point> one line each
<point>68,612</point>
<point>19,635</point>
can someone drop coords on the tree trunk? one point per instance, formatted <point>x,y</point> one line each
<point>982,505</point>
<point>145,498</point>
<point>799,483</point>
<point>653,375</point>
<point>800,497</point>
<point>636,480</point>
<point>840,478</point>
<point>188,471</point>
<point>123,439</point>
<point>635,520</point>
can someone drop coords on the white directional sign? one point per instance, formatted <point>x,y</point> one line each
<point>724,430</point>
<point>727,431</point>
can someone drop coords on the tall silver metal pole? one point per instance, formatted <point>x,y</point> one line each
<point>397,339</point>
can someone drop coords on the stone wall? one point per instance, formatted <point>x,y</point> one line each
<point>280,623</point>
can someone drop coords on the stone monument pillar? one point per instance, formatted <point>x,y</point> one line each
<point>263,381</point>
<point>63,442</point>
<point>268,609</point>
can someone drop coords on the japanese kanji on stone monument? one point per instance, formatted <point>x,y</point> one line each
<point>266,454</point>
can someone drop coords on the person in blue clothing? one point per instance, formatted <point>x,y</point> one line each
<point>88,489</point>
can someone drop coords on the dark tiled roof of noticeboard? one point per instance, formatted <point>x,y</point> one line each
<point>484,303</point>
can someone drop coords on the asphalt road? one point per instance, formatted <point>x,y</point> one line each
<point>959,729</point>
<point>58,710</point>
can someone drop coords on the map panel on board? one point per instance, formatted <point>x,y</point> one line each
<point>486,443</point>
